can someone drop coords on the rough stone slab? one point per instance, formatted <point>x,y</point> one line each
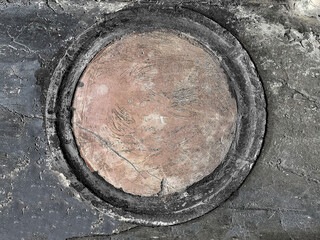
<point>280,198</point>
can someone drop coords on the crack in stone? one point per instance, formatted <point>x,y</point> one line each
<point>266,209</point>
<point>25,48</point>
<point>15,74</point>
<point>21,114</point>
<point>302,172</point>
<point>108,144</point>
<point>293,171</point>
<point>305,95</point>
<point>104,236</point>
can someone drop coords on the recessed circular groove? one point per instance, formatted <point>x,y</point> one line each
<point>158,112</point>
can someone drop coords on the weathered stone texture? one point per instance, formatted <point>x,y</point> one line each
<point>154,109</point>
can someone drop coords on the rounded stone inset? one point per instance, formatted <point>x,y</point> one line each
<point>153,113</point>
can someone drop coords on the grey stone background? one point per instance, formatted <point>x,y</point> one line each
<point>279,200</point>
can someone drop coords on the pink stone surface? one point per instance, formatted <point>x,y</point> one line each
<point>154,114</point>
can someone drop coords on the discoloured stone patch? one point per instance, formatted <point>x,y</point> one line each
<point>154,114</point>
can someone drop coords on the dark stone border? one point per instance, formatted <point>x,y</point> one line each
<point>202,196</point>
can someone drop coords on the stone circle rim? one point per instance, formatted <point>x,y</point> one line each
<point>214,188</point>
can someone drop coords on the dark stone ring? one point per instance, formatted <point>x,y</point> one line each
<point>198,198</point>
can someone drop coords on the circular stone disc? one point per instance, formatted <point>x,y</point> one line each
<point>153,113</point>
